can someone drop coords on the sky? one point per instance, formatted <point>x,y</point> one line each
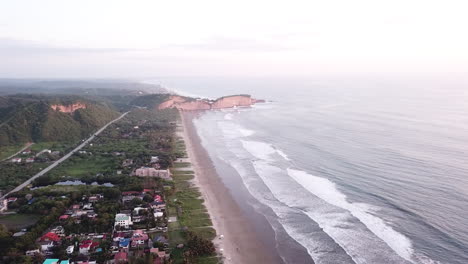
<point>141,38</point>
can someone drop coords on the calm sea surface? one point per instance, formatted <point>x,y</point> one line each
<point>352,170</point>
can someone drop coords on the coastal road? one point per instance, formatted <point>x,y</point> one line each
<point>62,159</point>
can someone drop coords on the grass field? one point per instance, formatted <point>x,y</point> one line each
<point>6,151</point>
<point>186,203</point>
<point>18,221</point>
<point>77,167</point>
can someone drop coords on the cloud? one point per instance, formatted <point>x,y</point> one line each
<point>24,47</point>
<point>221,43</point>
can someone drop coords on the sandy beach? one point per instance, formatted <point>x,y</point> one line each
<point>239,243</point>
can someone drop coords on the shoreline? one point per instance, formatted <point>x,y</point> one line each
<point>239,243</point>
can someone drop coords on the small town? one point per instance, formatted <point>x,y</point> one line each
<point>110,202</point>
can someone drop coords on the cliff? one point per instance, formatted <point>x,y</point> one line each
<point>68,108</point>
<point>190,104</point>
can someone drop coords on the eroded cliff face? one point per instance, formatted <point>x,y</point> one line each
<point>68,108</point>
<point>190,104</point>
<point>232,101</point>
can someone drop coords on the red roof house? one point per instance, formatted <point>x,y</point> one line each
<point>120,257</point>
<point>50,237</point>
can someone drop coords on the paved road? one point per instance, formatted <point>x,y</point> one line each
<point>21,150</point>
<point>62,159</point>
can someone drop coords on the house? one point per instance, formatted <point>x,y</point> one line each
<point>26,152</point>
<point>64,217</point>
<point>127,162</point>
<point>124,242</point>
<point>94,198</point>
<point>51,261</point>
<point>137,210</point>
<point>48,241</point>
<point>120,258</point>
<point>12,199</point>
<point>59,230</point>
<point>158,214</point>
<point>70,249</point>
<point>18,234</point>
<point>50,236</point>
<point>88,206</point>
<point>33,252</point>
<point>118,236</point>
<point>159,253</point>
<point>139,238</point>
<point>154,159</point>
<point>3,205</point>
<point>29,160</point>
<point>16,160</point>
<point>86,246</point>
<point>123,220</point>
<point>152,172</point>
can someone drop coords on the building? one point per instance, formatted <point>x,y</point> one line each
<point>48,241</point>
<point>29,160</point>
<point>16,160</point>
<point>123,220</point>
<point>70,249</point>
<point>32,253</point>
<point>152,172</point>
<point>12,199</point>
<point>51,261</point>
<point>120,258</point>
<point>154,159</point>
<point>139,238</point>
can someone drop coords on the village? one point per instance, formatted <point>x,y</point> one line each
<point>113,209</point>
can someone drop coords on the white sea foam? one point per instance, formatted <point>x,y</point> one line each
<point>228,116</point>
<point>258,149</point>
<point>246,132</point>
<point>327,191</point>
<point>262,150</point>
<point>282,154</point>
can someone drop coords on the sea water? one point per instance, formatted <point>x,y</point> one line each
<point>352,169</point>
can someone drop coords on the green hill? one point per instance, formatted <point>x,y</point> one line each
<point>28,118</point>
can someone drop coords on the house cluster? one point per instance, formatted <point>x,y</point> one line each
<point>31,157</point>
<point>131,242</point>
<point>153,209</point>
<point>84,209</point>
<point>128,237</point>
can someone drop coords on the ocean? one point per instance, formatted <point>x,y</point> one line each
<point>368,169</point>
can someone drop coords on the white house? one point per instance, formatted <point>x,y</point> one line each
<point>70,249</point>
<point>123,220</point>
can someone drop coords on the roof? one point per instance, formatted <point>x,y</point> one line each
<point>50,261</point>
<point>64,262</point>
<point>50,237</point>
<point>63,217</point>
<point>120,256</point>
<point>122,217</point>
<point>124,242</point>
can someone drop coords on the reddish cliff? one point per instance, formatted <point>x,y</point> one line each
<point>232,101</point>
<point>190,104</point>
<point>68,108</point>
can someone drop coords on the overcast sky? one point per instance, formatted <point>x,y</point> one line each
<point>56,38</point>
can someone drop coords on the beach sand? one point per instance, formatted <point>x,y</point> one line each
<point>239,242</point>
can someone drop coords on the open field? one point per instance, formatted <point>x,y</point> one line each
<point>18,221</point>
<point>7,151</point>
<point>187,205</point>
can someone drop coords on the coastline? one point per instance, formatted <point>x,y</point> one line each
<point>239,243</point>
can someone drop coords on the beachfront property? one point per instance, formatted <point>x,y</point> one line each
<point>152,172</point>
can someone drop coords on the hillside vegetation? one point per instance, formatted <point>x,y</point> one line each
<point>31,119</point>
